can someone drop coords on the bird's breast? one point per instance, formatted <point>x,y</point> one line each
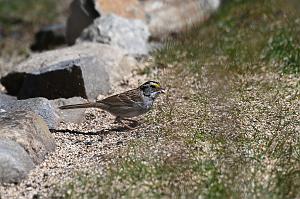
<point>148,102</point>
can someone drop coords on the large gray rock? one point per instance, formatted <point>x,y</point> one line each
<point>28,130</point>
<point>15,163</point>
<point>129,34</point>
<point>40,106</point>
<point>24,142</point>
<point>86,70</point>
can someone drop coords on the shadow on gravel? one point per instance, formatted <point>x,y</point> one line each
<point>100,132</point>
<point>74,132</point>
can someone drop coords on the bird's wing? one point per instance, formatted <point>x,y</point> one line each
<point>127,98</point>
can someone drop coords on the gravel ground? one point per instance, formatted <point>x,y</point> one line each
<point>87,146</point>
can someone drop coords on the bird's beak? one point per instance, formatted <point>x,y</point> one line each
<point>162,90</point>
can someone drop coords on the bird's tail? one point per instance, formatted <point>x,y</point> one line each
<point>74,106</point>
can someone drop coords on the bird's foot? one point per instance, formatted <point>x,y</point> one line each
<point>135,122</point>
<point>119,120</point>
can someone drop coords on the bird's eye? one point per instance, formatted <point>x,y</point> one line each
<point>152,86</point>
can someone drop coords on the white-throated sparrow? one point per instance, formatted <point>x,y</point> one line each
<point>128,104</point>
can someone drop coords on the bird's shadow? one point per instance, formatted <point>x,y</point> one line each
<point>100,132</point>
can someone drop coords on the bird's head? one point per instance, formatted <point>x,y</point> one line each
<point>152,89</point>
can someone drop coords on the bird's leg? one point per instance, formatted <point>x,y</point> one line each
<point>130,120</point>
<point>134,122</point>
<point>119,120</point>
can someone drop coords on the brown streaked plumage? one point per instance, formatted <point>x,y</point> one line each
<point>128,104</point>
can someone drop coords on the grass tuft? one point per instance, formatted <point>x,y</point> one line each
<point>284,49</point>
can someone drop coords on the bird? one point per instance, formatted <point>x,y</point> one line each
<point>128,104</point>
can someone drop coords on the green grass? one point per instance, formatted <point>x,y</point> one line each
<point>29,11</point>
<point>258,31</point>
<point>229,126</point>
<point>284,49</point>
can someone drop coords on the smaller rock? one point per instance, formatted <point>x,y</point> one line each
<point>83,13</point>
<point>24,141</point>
<point>129,34</point>
<point>71,115</point>
<point>40,106</point>
<point>165,18</point>
<point>28,130</point>
<point>15,163</point>
<point>49,37</point>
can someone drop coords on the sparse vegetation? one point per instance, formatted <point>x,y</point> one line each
<point>241,36</point>
<point>229,125</point>
<point>285,50</point>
